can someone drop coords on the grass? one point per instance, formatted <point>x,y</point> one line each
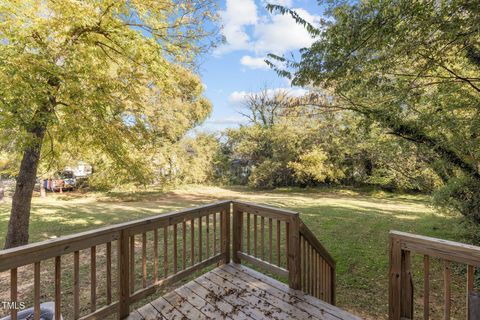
<point>352,225</point>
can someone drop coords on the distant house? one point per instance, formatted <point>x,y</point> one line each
<point>82,170</point>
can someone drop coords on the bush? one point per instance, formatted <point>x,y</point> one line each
<point>461,194</point>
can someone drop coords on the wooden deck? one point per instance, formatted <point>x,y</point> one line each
<point>234,291</point>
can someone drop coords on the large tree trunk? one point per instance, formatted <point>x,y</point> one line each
<point>17,234</point>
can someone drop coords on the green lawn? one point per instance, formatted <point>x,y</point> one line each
<point>352,225</point>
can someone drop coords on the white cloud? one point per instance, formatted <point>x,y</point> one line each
<point>238,97</point>
<point>270,33</point>
<point>238,15</point>
<point>280,33</point>
<point>254,63</point>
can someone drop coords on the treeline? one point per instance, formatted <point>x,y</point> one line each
<point>288,143</point>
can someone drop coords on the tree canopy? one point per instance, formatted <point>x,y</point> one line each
<point>411,67</point>
<point>111,77</point>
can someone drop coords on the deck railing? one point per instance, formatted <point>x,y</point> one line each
<point>102,272</point>
<point>401,287</point>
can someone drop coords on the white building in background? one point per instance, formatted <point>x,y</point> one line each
<point>81,170</point>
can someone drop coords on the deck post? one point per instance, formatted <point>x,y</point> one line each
<point>294,280</point>
<point>123,275</point>
<point>237,223</point>
<point>400,285</point>
<point>225,231</point>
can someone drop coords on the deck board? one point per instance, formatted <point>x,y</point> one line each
<point>235,292</point>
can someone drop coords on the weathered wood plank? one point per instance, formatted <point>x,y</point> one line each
<point>219,292</point>
<point>245,292</point>
<point>262,294</point>
<point>148,312</point>
<point>200,304</point>
<point>273,291</point>
<point>220,304</point>
<point>297,294</point>
<point>184,306</point>
<point>134,316</point>
<point>166,309</point>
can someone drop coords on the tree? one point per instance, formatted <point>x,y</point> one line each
<point>411,67</point>
<point>98,76</point>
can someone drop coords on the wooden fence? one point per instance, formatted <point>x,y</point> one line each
<point>105,271</point>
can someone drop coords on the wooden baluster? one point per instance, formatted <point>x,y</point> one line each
<point>262,237</point>
<point>406,304</point>
<point>184,245</point>
<point>109,272</point>
<point>123,274</point>
<point>155,255</point>
<point>248,233</point>
<point>200,239</point>
<point>324,280</point>
<point>309,268</point>
<point>93,279</point>
<point>255,238</point>
<point>447,283</point>
<point>237,234</point>
<point>76,285</point>
<point>36,291</point>
<point>192,242</point>
<point>279,237</point>
<point>14,292</point>
<point>293,250</point>
<point>165,251</point>
<point>132,263</point>
<point>312,285</point>
<point>215,233</point>
<point>317,277</point>
<point>175,249</point>
<point>58,288</point>
<point>470,286</point>
<point>207,222</point>
<point>287,243</point>
<point>426,287</point>
<point>270,243</point>
<point>226,234</point>
<point>144,260</point>
<point>315,273</point>
<point>302,257</point>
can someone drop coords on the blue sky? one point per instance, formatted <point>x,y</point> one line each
<point>236,68</point>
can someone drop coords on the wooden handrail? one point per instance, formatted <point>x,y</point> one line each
<point>308,234</point>
<point>38,251</point>
<point>280,231</point>
<point>318,265</point>
<point>401,290</point>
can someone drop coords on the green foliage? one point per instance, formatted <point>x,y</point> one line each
<point>303,145</point>
<point>108,81</point>
<point>313,166</point>
<point>412,68</point>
